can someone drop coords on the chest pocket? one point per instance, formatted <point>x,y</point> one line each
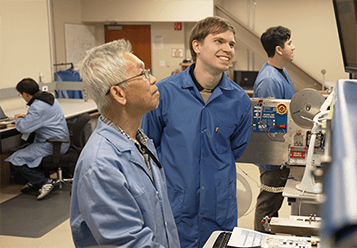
<point>222,136</point>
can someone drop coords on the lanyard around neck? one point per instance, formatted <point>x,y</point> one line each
<point>152,156</point>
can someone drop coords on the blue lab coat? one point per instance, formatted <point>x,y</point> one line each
<point>114,200</point>
<point>198,144</point>
<point>270,83</point>
<point>68,75</point>
<point>47,122</point>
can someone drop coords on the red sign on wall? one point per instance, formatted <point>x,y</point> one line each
<point>178,26</point>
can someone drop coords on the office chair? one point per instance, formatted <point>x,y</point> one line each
<point>68,160</point>
<point>77,132</point>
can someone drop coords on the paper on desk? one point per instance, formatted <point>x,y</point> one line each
<point>246,238</point>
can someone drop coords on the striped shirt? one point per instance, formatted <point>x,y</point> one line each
<point>141,138</point>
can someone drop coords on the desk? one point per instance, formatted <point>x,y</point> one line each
<point>71,109</point>
<point>250,93</point>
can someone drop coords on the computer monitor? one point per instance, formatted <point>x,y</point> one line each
<point>346,20</point>
<point>2,114</point>
<point>245,79</point>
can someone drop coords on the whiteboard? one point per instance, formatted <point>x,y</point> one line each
<point>79,38</point>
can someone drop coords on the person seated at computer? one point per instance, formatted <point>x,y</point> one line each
<point>45,118</point>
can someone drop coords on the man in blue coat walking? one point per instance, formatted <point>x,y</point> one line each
<point>202,125</point>
<point>273,81</point>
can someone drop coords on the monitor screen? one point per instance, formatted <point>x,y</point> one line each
<point>345,13</point>
<point>245,79</point>
<point>2,114</point>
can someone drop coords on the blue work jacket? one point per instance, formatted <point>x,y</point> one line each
<point>68,75</point>
<point>115,202</point>
<point>47,122</point>
<point>270,83</point>
<point>198,144</point>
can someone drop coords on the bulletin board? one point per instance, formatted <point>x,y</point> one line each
<point>79,38</point>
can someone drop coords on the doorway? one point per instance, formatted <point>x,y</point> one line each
<point>139,37</point>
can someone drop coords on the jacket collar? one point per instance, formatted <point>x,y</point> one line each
<point>121,142</point>
<point>42,96</point>
<point>224,84</point>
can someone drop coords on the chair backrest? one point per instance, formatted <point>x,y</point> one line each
<point>78,138</point>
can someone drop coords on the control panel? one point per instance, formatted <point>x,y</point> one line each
<point>270,119</point>
<point>280,136</point>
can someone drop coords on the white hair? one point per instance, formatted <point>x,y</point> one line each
<point>102,68</point>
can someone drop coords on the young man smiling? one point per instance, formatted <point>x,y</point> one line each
<point>202,125</point>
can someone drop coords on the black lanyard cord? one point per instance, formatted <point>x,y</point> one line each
<point>152,156</point>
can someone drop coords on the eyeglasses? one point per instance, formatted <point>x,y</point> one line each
<point>146,73</point>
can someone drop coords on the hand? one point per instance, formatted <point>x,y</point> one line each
<point>19,115</point>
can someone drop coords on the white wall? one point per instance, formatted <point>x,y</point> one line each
<point>145,10</point>
<point>24,44</point>
<point>64,12</point>
<point>163,64</point>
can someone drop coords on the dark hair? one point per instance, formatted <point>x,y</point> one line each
<point>27,85</point>
<point>273,37</point>
<point>209,25</point>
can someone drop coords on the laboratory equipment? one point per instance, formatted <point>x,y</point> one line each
<point>281,130</point>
